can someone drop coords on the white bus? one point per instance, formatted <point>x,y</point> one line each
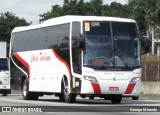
<point>90,56</point>
<point>5,88</point>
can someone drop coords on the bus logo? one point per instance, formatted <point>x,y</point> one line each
<point>6,109</point>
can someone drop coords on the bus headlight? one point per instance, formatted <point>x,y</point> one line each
<point>89,78</point>
<point>134,80</point>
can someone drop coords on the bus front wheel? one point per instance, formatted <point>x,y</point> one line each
<point>135,98</point>
<point>4,94</point>
<point>116,99</point>
<point>66,96</point>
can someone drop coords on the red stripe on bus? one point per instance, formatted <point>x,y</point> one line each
<point>96,88</point>
<point>130,88</point>
<point>24,63</point>
<point>63,61</point>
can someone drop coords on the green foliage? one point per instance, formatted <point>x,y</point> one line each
<point>150,58</point>
<point>146,12</point>
<point>119,10</point>
<point>70,7</point>
<point>55,12</point>
<point>94,7</point>
<point>7,22</point>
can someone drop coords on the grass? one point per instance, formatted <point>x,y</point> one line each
<point>149,96</point>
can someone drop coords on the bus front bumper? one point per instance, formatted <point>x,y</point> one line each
<point>104,87</point>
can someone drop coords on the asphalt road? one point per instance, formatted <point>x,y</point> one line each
<point>51,104</point>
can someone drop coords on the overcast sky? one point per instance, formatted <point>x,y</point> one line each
<point>30,9</point>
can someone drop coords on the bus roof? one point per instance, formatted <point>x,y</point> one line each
<point>68,19</point>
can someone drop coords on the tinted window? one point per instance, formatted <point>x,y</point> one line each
<point>29,40</point>
<point>3,64</point>
<point>58,36</point>
<point>44,38</point>
<point>76,52</point>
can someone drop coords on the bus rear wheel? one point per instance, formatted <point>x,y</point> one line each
<point>26,94</point>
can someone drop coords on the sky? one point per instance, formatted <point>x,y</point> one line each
<point>30,9</point>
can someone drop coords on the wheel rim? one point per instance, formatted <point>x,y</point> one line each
<point>66,91</point>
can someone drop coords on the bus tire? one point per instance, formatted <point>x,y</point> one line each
<point>66,95</point>
<point>61,98</point>
<point>4,94</point>
<point>34,96</point>
<point>26,94</point>
<point>135,98</point>
<point>116,99</point>
<point>91,97</point>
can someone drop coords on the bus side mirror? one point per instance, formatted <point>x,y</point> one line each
<point>81,41</point>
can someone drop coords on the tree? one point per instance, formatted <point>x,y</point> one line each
<point>70,7</point>
<point>96,5</point>
<point>8,21</point>
<point>147,11</point>
<point>116,10</point>
<point>55,12</point>
<point>138,14</point>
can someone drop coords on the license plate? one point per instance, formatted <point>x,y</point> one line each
<point>113,88</point>
<point>0,82</point>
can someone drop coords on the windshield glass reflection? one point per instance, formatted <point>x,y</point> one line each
<point>119,49</point>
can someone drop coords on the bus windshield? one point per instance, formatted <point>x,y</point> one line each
<point>111,45</point>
